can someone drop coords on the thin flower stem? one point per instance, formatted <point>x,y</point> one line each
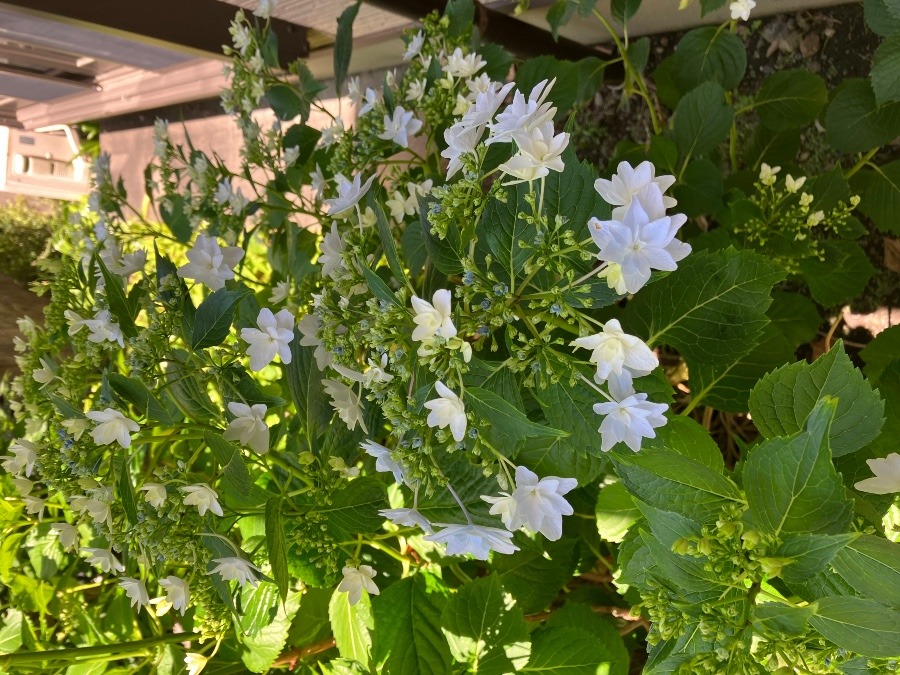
<point>118,650</point>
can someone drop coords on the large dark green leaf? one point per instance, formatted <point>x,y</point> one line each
<point>855,123</point>
<point>212,322</point>
<point>343,44</point>
<point>702,119</point>
<point>709,54</point>
<point>790,99</point>
<point>862,626</point>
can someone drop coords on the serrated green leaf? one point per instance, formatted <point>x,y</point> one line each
<point>791,484</point>
<point>535,573</point>
<point>862,626</point>
<point>871,565</point>
<point>485,628</point>
<point>11,633</point>
<point>795,316</point>
<point>686,437</point>
<point>709,54</point>
<point>881,351</point>
<point>507,421</point>
<point>114,290</point>
<point>842,275</point>
<point>215,314</point>
<point>276,546</point>
<point>596,628</point>
<point>354,507</point>
<point>407,637</point>
<point>673,482</point>
<point>378,287</point>
<point>343,44</point>
<point>778,619</point>
<point>304,380</point>
<point>855,123</point>
<point>563,650</point>
<point>712,308</point>
<point>880,196</point>
<point>702,119</point>
<point>883,16</point>
<point>809,553</point>
<point>259,651</point>
<point>559,457</point>
<point>352,626</point>
<point>789,99</point>
<point>783,400</point>
<point>137,393</point>
<point>886,71</point>
<point>727,386</point>
<point>237,486</point>
<point>700,189</point>
<point>616,512</point>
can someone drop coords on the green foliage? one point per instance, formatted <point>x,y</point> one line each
<point>24,233</point>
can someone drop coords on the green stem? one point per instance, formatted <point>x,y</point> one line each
<point>861,163</point>
<point>119,650</point>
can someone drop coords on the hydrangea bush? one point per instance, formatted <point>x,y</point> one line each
<point>389,398</point>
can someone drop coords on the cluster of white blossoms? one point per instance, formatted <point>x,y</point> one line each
<point>740,9</point>
<point>640,237</point>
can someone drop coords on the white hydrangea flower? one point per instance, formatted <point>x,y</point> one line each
<point>76,426</point>
<point>232,568</point>
<point>887,475</point>
<point>44,374</point>
<point>400,126</point>
<point>332,133</point>
<point>23,457</point>
<point>195,663</point>
<point>75,321</point>
<point>539,153</point>
<point>356,580</point>
<point>539,503</point>
<point>503,506</point>
<point>629,418</point>
<point>309,327</point>
<point>34,506</point>
<point>414,46</point>
<point>280,292</point>
<point>178,593</point>
<point>103,328</point>
<point>210,264</point>
<point>522,116</point>
<point>433,318</point>
<point>156,494</point>
<point>136,591</point>
<point>447,411</point>
<point>793,185</point>
<point>463,65</point>
<point>476,540</point>
<point>23,486</point>
<point>121,264</point>
<point>271,339</point>
<point>264,8</point>
<point>96,508</point>
<point>639,244</point>
<point>331,251</point>
<point>66,534</point>
<point>112,426</point>
<point>416,90</point>
<point>104,559</point>
<point>768,174</point>
<point>203,497</point>
<point>346,402</point>
<point>249,426</point>
<point>615,351</point>
<point>349,194</point>
<point>383,460</point>
<point>408,518</point>
<point>486,102</point>
<point>740,9</point>
<point>461,139</point>
<point>369,100</point>
<point>628,181</point>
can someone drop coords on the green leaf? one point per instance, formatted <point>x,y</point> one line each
<point>126,495</point>
<point>886,71</point>
<point>727,386</point>
<point>855,123</point>
<point>711,309</point>
<point>795,316</point>
<point>871,565</point>
<point>596,628</point>
<point>276,546</point>
<point>461,14</point>
<point>535,573</point>
<point>707,6</point>
<point>783,400</point>
<point>407,636</point>
<point>776,148</point>
<point>702,119</point>
<point>623,10</point>
<point>673,482</point>
<point>686,437</point>
<point>565,651</point>
<point>778,619</point>
<point>304,380</point>
<point>881,351</point>
<point>575,80</point>
<point>354,507</point>
<point>237,486</point>
<point>842,275</point>
<point>791,484</point>
<point>286,104</point>
<point>11,633</point>
<point>343,44</point>
<point>214,317</point>
<point>485,628</point>
<point>137,393</point>
<point>386,235</point>
<point>883,17</point>
<point>175,218</point>
<point>119,307</point>
<point>557,456</point>
<point>862,626</point>
<point>507,421</point>
<point>616,512</point>
<point>700,189</point>
<point>303,137</point>
<point>709,54</point>
<point>259,651</point>
<point>442,252</point>
<point>881,196</point>
<point>378,287</point>
<point>789,99</point>
<point>810,553</point>
<point>352,626</point>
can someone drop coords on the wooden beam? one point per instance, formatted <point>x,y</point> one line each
<point>200,25</point>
